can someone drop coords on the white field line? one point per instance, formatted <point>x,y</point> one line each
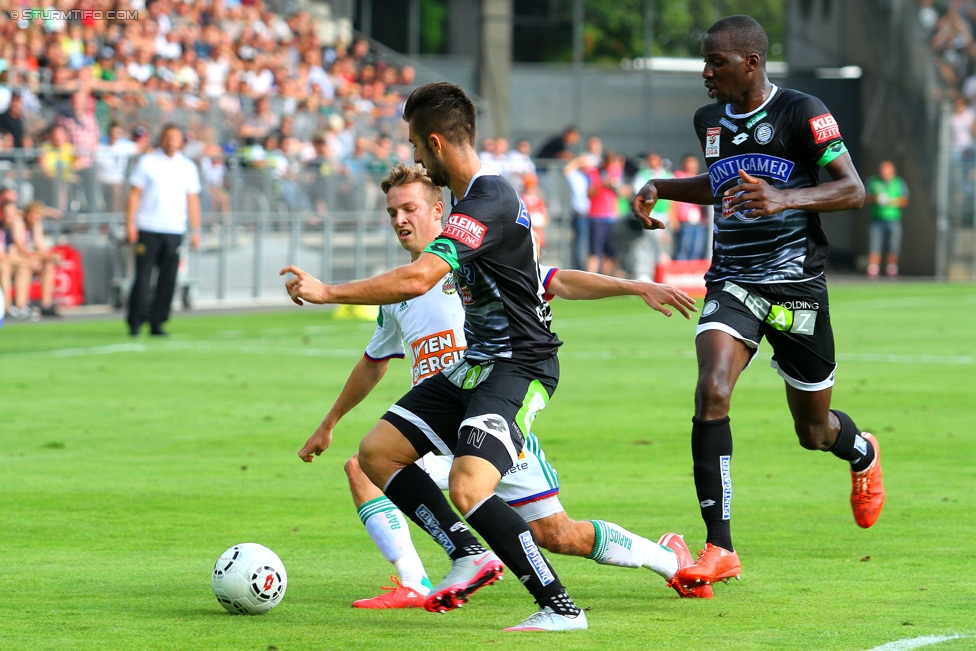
<point>916,642</point>
<point>262,346</point>
<point>203,346</point>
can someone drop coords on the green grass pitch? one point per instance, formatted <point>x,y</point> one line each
<point>129,465</point>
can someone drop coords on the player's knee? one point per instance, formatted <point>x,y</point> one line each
<point>465,495</point>
<point>352,468</point>
<point>368,457</point>
<point>712,394</point>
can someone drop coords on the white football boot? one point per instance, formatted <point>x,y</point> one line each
<point>549,620</point>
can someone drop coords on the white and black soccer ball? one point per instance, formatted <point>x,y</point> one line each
<point>249,579</point>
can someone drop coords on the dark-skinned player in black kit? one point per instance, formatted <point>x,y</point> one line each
<point>764,147</point>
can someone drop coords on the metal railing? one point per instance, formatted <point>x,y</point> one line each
<point>242,251</point>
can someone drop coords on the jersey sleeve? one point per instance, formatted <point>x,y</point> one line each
<point>387,341</point>
<point>820,133</point>
<point>465,237</point>
<point>547,273</point>
<point>192,178</point>
<point>139,177</point>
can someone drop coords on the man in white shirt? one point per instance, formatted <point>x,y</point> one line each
<point>111,161</point>
<point>164,197</point>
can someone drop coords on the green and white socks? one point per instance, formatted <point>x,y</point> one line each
<point>615,545</point>
<point>387,526</point>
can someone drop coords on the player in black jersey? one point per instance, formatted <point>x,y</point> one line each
<point>764,147</point>
<point>481,407</point>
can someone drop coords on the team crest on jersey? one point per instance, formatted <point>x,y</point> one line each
<point>824,128</point>
<point>764,133</point>
<point>450,284</point>
<point>728,125</point>
<point>465,229</point>
<point>712,137</point>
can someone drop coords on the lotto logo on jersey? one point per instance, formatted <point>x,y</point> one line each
<point>824,128</point>
<point>712,137</point>
<point>434,353</point>
<point>466,230</point>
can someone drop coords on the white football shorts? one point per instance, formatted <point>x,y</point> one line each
<point>531,486</point>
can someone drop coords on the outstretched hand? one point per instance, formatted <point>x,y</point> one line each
<point>755,197</point>
<point>316,444</point>
<point>643,205</point>
<point>304,286</point>
<point>657,296</point>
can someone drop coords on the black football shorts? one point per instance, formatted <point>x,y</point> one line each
<point>793,317</point>
<point>484,410</point>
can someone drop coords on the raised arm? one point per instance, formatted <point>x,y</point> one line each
<point>692,189</point>
<point>394,286</point>
<point>365,375</point>
<point>581,285</point>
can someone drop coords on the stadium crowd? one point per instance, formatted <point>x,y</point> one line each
<point>275,117</point>
<point>249,86</point>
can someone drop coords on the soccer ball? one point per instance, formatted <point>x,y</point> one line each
<point>249,579</point>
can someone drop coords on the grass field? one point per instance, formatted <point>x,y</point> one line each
<point>129,465</point>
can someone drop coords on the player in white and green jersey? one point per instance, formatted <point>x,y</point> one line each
<point>430,327</point>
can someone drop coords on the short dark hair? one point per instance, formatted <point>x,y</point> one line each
<point>746,35</point>
<point>442,108</point>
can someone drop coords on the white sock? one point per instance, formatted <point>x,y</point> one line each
<point>615,545</point>
<point>387,526</point>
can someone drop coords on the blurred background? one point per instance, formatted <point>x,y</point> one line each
<point>291,109</point>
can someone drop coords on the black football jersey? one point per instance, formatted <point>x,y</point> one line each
<point>488,243</point>
<point>785,142</point>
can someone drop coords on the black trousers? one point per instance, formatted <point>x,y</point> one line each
<point>160,251</point>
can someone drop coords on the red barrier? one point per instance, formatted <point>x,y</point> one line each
<point>69,279</point>
<point>687,275</point>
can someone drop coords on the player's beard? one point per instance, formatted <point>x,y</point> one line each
<point>438,173</point>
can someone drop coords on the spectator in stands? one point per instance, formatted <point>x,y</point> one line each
<point>262,122</point>
<point>652,247</point>
<point>604,211</point>
<point>951,41</point>
<point>12,122</point>
<point>535,204</point>
<point>577,174</point>
<point>963,126</point>
<point>82,131</point>
<point>28,255</point>
<point>319,175</point>
<point>690,221</point>
<point>560,146</point>
<point>213,169</point>
<point>163,200</point>
<point>888,194</point>
<point>522,158</point>
<point>142,138</point>
<point>111,162</point>
<point>57,162</point>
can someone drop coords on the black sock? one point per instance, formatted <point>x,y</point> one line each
<point>850,445</point>
<point>510,537</point>
<point>711,449</point>
<point>416,494</point>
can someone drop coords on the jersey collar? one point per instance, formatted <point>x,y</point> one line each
<point>484,170</point>
<point>728,107</point>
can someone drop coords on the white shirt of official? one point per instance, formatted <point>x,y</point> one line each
<point>165,183</point>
